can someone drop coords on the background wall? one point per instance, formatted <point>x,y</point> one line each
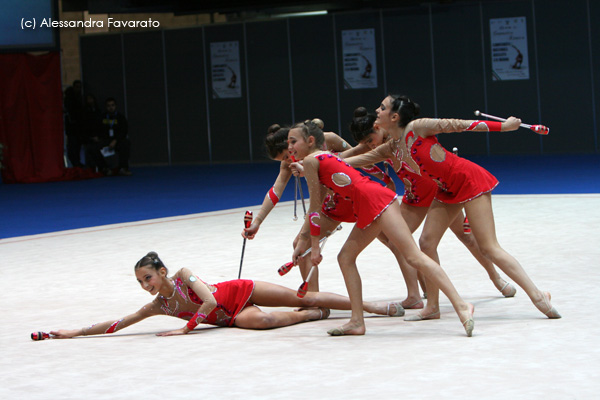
<point>292,70</point>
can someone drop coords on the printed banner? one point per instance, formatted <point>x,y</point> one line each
<point>510,59</point>
<point>225,69</point>
<point>360,60</point>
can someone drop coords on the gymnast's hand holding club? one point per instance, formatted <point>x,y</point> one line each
<point>250,227</point>
<point>297,169</point>
<point>315,249</point>
<point>509,124</point>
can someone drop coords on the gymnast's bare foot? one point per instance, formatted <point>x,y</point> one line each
<point>351,328</point>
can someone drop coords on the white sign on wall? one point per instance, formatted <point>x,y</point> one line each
<point>359,58</point>
<point>510,59</point>
<point>225,69</point>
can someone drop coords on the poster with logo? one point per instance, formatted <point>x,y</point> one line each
<point>510,59</point>
<point>359,58</point>
<point>225,70</point>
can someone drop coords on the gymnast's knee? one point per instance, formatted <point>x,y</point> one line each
<point>467,239</point>
<point>310,300</point>
<point>346,258</point>
<point>489,251</point>
<point>427,244</point>
<point>265,321</point>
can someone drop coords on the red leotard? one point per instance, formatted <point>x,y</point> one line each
<point>459,180</point>
<point>338,208</point>
<point>369,199</point>
<point>418,190</point>
<point>231,296</point>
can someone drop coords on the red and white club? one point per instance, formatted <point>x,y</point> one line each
<point>304,287</point>
<point>247,223</point>
<point>540,129</point>
<point>285,268</point>
<point>41,336</point>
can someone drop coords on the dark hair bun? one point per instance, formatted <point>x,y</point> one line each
<point>273,128</point>
<point>417,109</point>
<point>360,112</point>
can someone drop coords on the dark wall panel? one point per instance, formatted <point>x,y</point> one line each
<point>595,45</point>
<point>102,68</point>
<point>269,88</point>
<point>229,131</point>
<point>146,105</point>
<point>186,94</point>
<point>313,70</point>
<point>409,67</point>
<point>512,97</point>
<point>352,98</point>
<point>292,70</point>
<point>565,76</point>
<point>459,72</point>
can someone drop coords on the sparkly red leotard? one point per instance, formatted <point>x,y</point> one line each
<point>231,296</point>
<point>338,208</point>
<point>418,191</point>
<point>458,179</point>
<point>369,199</point>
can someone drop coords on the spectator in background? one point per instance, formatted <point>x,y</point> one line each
<point>111,139</point>
<point>73,114</point>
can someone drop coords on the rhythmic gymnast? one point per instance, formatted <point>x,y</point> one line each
<point>419,193</point>
<point>336,209</point>
<point>377,211</point>
<point>276,144</point>
<point>462,184</point>
<point>231,303</point>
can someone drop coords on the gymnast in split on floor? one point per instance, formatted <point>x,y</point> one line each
<point>232,303</point>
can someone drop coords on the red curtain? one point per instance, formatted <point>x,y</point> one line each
<point>31,119</point>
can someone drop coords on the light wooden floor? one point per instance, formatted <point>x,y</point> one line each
<point>75,278</point>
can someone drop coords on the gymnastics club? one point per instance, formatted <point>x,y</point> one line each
<point>295,192</point>
<point>285,268</point>
<point>298,188</point>
<point>41,336</point>
<point>295,198</point>
<point>304,287</point>
<point>247,223</point>
<point>540,129</point>
<point>302,196</point>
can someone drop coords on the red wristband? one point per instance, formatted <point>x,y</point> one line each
<point>491,126</point>
<point>113,327</point>
<point>193,322</point>
<point>273,196</point>
<point>315,229</point>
